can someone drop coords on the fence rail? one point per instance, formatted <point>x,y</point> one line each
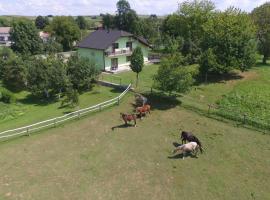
<point>26,130</point>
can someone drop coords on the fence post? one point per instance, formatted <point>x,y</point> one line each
<point>99,107</point>
<point>209,108</point>
<point>245,118</point>
<point>27,131</point>
<point>118,101</point>
<point>54,122</point>
<point>79,114</point>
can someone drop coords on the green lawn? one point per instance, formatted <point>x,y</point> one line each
<point>145,77</point>
<point>28,110</point>
<point>85,159</point>
<point>235,94</point>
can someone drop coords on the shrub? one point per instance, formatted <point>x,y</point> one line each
<point>6,96</point>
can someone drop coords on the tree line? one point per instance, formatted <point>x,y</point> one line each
<point>48,77</point>
<point>217,41</point>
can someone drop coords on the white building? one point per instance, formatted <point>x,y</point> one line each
<point>5,36</point>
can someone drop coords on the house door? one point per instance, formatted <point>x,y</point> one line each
<point>114,63</point>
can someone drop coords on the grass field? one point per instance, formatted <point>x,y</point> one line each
<point>29,110</point>
<point>87,160</point>
<point>251,98</point>
<point>234,94</point>
<point>145,77</point>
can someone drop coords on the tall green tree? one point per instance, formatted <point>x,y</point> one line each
<point>65,30</point>
<point>25,38</point>
<point>82,23</point>
<point>41,22</point>
<point>46,77</point>
<point>14,74</point>
<point>187,24</point>
<point>81,72</point>
<point>137,62</point>
<point>261,16</point>
<point>232,39</point>
<point>108,21</point>
<point>173,75</point>
<point>126,19</point>
<point>6,55</point>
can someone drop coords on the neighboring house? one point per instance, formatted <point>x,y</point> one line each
<point>111,49</point>
<point>5,36</point>
<point>44,36</point>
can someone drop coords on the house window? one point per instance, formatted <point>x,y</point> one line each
<point>128,58</point>
<point>115,46</point>
<point>129,45</point>
<point>2,38</point>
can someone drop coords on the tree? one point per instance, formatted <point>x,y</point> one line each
<point>52,47</point>
<point>46,76</point>
<point>187,24</point>
<point>6,55</point>
<point>14,74</point>
<point>25,38</point>
<point>208,63</point>
<point>71,98</point>
<point>41,22</point>
<point>136,62</point>
<point>260,16</point>
<point>81,22</point>
<point>173,76</point>
<point>126,19</point>
<point>81,72</point>
<point>65,30</point>
<point>231,37</point>
<point>108,21</point>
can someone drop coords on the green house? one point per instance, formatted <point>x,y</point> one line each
<point>111,49</point>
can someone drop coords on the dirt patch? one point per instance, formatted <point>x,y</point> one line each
<point>248,75</point>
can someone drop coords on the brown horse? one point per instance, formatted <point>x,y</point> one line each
<point>128,117</point>
<point>143,110</point>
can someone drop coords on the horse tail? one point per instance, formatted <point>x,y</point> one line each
<point>201,149</point>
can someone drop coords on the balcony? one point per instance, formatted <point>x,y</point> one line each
<point>119,52</point>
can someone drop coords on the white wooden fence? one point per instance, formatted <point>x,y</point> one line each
<point>26,130</point>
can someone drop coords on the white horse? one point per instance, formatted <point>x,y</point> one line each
<point>186,148</point>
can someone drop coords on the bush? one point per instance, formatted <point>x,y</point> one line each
<point>6,96</point>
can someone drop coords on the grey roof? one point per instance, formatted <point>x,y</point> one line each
<point>102,39</point>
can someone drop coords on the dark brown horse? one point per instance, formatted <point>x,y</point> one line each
<point>128,117</point>
<point>143,110</point>
<point>188,136</point>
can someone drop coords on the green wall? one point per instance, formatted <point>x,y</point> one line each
<point>100,60</point>
<point>93,54</point>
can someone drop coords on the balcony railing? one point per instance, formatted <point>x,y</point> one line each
<point>119,52</point>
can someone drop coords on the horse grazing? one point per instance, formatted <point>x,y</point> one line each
<point>143,110</point>
<point>187,148</point>
<point>187,136</point>
<point>128,117</point>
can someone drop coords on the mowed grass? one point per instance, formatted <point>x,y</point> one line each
<point>86,159</point>
<point>29,110</point>
<point>145,77</point>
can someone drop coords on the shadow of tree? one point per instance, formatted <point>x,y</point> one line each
<point>33,100</point>
<point>218,78</point>
<point>160,101</point>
